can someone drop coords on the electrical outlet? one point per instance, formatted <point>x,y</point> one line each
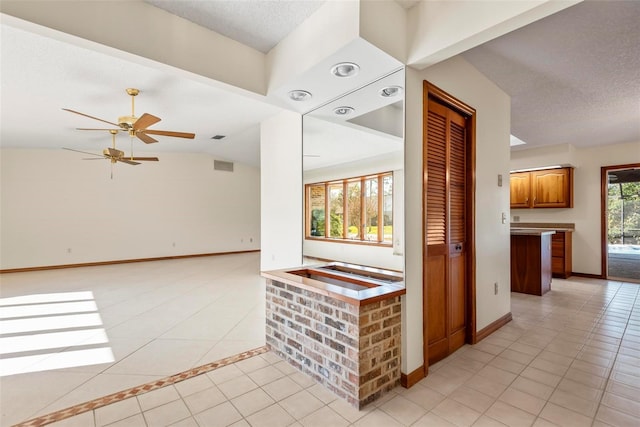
<point>516,218</point>
<point>495,288</point>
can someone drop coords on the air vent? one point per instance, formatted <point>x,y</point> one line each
<point>219,165</point>
<point>218,136</point>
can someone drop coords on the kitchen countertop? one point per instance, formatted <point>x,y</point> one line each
<point>543,226</point>
<point>531,231</point>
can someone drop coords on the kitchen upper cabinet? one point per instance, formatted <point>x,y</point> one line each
<point>520,183</point>
<point>548,188</point>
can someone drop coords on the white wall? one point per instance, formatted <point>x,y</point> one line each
<point>53,201</point>
<point>281,191</point>
<point>461,80</point>
<point>585,213</point>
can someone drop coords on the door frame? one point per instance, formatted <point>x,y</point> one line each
<point>432,91</point>
<point>604,190</point>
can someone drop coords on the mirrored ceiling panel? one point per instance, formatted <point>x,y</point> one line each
<point>366,123</point>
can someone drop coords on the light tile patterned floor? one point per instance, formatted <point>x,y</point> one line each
<point>569,358</point>
<point>160,317</point>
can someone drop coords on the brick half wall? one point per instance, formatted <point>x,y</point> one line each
<point>354,351</point>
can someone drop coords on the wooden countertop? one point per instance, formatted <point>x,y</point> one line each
<point>531,232</point>
<point>570,227</point>
<point>351,296</point>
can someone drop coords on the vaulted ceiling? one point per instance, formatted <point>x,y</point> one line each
<point>573,78</point>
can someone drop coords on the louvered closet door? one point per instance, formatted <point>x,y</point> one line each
<point>445,227</point>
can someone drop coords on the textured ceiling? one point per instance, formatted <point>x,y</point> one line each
<point>258,24</point>
<point>573,77</point>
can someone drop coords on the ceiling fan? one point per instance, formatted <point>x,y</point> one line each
<point>136,126</point>
<point>114,155</point>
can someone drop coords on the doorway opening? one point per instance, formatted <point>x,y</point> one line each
<point>621,222</point>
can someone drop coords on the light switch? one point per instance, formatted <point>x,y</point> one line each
<point>500,180</point>
<point>504,218</point>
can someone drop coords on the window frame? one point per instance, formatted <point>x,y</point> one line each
<point>360,240</point>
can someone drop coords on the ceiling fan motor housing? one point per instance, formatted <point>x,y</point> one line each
<point>126,122</point>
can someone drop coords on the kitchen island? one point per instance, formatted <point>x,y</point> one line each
<point>561,244</point>
<point>531,261</point>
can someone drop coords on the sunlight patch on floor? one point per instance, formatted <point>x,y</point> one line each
<point>74,322</point>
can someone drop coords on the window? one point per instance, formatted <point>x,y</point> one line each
<point>359,209</point>
<point>336,210</point>
<point>317,202</point>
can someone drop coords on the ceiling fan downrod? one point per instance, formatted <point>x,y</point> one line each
<point>126,122</point>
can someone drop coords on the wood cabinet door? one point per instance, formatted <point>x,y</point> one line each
<point>551,188</point>
<point>520,184</point>
<point>445,227</point>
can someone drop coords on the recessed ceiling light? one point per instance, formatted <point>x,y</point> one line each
<point>390,91</point>
<point>345,69</point>
<point>343,111</point>
<point>300,95</point>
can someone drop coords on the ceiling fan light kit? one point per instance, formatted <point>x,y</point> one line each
<point>114,155</point>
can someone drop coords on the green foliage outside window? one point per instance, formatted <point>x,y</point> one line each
<point>624,213</point>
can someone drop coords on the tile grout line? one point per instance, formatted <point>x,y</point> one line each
<point>138,390</point>
<point>601,314</point>
<point>606,384</point>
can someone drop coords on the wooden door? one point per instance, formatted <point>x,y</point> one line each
<point>446,234</point>
<point>520,193</point>
<point>551,188</point>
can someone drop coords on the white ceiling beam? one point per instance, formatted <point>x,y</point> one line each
<point>438,30</point>
<point>384,24</point>
<point>144,30</point>
<point>330,28</point>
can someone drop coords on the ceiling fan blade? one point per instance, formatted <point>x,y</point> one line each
<point>84,152</point>
<point>129,162</point>
<point>170,133</point>
<point>145,121</point>
<point>121,130</point>
<point>91,117</point>
<point>143,159</point>
<point>94,158</point>
<point>145,138</point>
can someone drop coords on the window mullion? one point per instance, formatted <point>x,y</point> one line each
<point>345,212</point>
<point>361,226</point>
<point>307,204</point>
<point>327,214</point>
<point>380,208</point>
